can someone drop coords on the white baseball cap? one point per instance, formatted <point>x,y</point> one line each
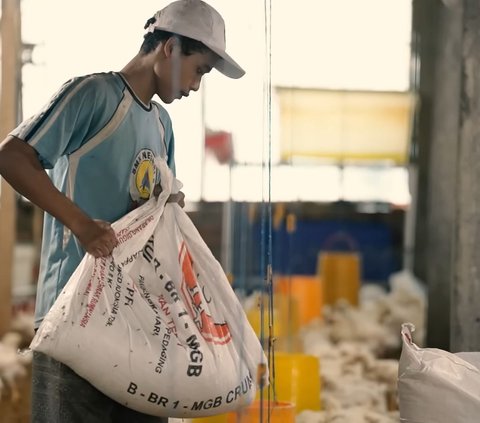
<point>198,20</point>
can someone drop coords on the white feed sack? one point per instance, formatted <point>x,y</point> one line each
<point>156,327</point>
<point>436,386</point>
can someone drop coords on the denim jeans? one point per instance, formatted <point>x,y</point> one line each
<point>59,395</point>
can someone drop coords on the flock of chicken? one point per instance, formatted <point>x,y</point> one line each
<point>358,349</point>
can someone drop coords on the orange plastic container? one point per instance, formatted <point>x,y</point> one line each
<point>272,412</point>
<point>306,290</point>
<point>340,274</point>
<point>222,418</point>
<point>297,381</point>
<point>285,315</point>
<point>297,387</point>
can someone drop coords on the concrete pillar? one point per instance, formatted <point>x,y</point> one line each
<point>438,37</point>
<point>448,217</point>
<point>465,302</point>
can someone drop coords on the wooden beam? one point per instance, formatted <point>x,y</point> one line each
<point>11,71</point>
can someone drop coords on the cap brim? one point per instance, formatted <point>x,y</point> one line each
<point>226,65</point>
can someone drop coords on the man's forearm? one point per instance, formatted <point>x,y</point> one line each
<point>21,168</point>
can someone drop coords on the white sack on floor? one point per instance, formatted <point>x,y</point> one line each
<point>156,327</point>
<point>436,386</point>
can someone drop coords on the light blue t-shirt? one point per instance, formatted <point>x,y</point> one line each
<point>98,141</point>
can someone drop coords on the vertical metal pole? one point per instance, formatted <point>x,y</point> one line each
<point>203,95</point>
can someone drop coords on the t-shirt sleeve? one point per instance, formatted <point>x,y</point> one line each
<point>62,126</point>
<point>169,138</point>
<point>170,142</point>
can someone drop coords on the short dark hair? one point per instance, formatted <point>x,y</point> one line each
<point>152,39</point>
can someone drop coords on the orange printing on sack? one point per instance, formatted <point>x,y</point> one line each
<point>218,333</point>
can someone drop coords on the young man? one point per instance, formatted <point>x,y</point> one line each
<point>99,136</point>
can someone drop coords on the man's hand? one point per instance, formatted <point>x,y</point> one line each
<point>173,198</point>
<point>97,237</point>
<point>177,198</point>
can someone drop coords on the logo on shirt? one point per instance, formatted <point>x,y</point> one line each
<point>143,177</point>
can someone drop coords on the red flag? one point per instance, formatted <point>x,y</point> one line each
<point>220,144</point>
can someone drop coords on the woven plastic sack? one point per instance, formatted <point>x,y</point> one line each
<point>437,386</point>
<point>156,326</point>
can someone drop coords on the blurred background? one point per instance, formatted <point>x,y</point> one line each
<point>330,182</point>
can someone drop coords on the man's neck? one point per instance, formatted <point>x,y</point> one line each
<point>138,79</point>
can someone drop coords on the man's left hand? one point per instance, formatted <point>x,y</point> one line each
<point>174,198</point>
<point>178,198</point>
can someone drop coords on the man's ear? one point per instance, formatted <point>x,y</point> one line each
<point>171,47</point>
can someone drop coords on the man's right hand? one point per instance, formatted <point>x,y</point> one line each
<point>97,238</point>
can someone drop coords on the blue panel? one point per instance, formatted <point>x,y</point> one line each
<point>297,252</point>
